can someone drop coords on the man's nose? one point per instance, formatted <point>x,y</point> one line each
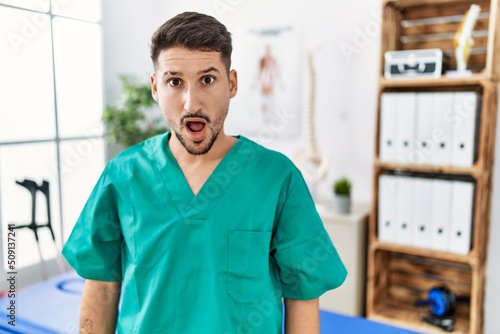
<point>192,102</point>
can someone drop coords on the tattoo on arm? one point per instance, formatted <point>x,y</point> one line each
<point>86,327</point>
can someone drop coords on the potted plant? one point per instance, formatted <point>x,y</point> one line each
<point>135,117</point>
<point>342,195</point>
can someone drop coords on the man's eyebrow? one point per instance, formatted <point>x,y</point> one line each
<point>173,73</point>
<point>207,70</point>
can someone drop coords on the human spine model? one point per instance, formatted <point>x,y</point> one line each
<point>312,162</point>
<point>463,39</point>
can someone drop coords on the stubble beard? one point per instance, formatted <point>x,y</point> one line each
<point>199,148</point>
<point>203,147</point>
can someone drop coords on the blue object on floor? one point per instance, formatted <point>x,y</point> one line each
<point>334,323</point>
<point>53,307</point>
<point>48,307</point>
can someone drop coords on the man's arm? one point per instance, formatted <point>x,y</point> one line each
<point>99,308</point>
<point>301,316</point>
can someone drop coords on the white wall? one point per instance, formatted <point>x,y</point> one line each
<point>127,30</point>
<point>346,88</point>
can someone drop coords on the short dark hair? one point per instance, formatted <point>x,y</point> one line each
<point>194,31</point>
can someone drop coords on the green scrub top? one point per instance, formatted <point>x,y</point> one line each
<point>218,262</point>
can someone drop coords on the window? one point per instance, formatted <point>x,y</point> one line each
<point>50,109</point>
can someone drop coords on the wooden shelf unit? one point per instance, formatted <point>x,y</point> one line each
<point>402,279</point>
<point>474,80</point>
<point>398,275</point>
<point>396,248</point>
<point>472,171</point>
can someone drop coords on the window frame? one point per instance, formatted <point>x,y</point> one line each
<point>32,273</point>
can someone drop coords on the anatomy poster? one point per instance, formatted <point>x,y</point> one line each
<point>268,64</point>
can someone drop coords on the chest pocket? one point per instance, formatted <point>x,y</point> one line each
<point>249,278</point>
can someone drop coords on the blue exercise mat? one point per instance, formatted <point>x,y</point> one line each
<point>53,306</point>
<point>334,323</point>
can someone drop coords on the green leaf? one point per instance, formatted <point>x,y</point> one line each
<point>126,122</point>
<point>342,186</point>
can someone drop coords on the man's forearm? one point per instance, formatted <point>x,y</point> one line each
<point>99,308</point>
<point>301,316</point>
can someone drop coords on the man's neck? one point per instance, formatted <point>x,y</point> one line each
<point>198,168</point>
<point>219,149</point>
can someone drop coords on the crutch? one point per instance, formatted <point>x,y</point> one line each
<point>32,187</point>
<point>45,189</point>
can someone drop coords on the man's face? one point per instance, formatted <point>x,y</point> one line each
<point>193,90</point>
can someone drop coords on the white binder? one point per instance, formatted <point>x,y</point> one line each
<point>405,128</point>
<point>461,217</point>
<point>424,145</point>
<point>404,204</point>
<point>388,122</point>
<point>422,213</point>
<point>440,215</point>
<point>387,191</point>
<point>464,129</point>
<point>442,128</point>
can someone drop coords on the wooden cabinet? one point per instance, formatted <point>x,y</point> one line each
<point>348,233</point>
<point>399,275</point>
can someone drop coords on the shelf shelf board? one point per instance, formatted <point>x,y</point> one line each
<point>438,255</point>
<point>474,80</point>
<point>390,310</point>
<point>472,171</point>
<point>403,4</point>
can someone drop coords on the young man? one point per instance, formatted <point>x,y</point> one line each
<point>198,231</point>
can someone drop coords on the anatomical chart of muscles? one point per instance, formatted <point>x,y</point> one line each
<point>269,82</point>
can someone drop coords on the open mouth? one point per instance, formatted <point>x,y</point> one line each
<point>195,128</point>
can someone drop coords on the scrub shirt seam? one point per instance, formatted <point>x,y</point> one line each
<point>301,243</point>
<point>308,295</point>
<point>114,219</point>
<point>286,200</point>
<point>295,184</point>
<point>158,170</point>
<point>108,182</point>
<point>318,290</point>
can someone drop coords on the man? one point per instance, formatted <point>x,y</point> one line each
<point>195,230</point>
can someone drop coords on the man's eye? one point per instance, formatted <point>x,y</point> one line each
<point>174,82</point>
<point>208,80</point>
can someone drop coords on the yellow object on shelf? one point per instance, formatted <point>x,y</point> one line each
<point>463,41</point>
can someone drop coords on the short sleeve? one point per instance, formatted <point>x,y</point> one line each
<point>308,262</point>
<point>94,246</point>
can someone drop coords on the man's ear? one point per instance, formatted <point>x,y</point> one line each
<point>233,83</point>
<point>154,88</point>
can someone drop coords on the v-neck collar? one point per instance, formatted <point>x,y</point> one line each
<point>176,184</point>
